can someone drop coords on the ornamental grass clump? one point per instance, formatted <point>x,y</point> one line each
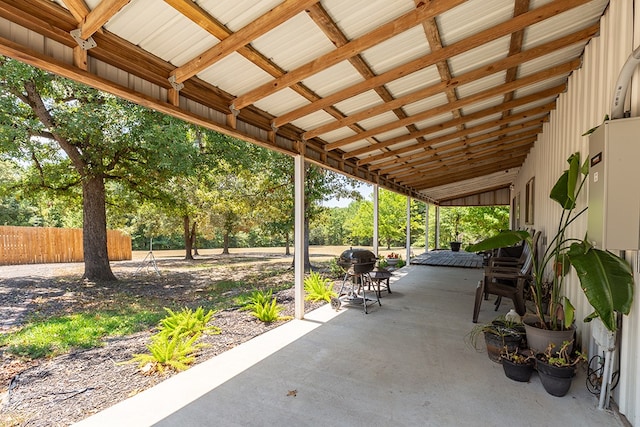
<point>318,288</point>
<point>174,346</point>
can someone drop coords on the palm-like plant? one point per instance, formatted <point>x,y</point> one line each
<point>606,279</point>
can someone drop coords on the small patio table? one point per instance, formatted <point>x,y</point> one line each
<point>380,277</point>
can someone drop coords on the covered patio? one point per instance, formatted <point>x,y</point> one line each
<point>449,102</point>
<point>405,363</point>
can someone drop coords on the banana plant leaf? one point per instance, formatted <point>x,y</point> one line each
<point>606,280</point>
<point>503,239</point>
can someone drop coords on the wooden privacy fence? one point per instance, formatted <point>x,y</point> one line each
<point>36,245</point>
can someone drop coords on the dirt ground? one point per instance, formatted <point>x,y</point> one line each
<point>65,389</point>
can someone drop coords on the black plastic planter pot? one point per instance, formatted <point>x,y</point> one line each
<point>555,380</point>
<point>517,371</point>
<point>496,343</point>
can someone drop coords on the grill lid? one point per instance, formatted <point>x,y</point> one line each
<point>356,256</point>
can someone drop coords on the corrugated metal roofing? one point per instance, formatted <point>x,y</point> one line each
<point>434,99</point>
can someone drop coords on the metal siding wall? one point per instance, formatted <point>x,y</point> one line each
<point>628,393</point>
<point>582,107</point>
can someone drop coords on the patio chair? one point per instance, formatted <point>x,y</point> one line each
<point>506,278</point>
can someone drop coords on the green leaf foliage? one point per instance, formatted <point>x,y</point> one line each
<point>500,240</point>
<point>168,351</point>
<point>318,288</point>
<point>264,306</point>
<point>607,281</point>
<point>173,347</point>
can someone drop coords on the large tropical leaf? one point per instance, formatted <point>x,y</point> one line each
<point>564,190</point>
<point>606,280</point>
<point>500,240</point>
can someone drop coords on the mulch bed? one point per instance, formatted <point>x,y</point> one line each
<point>65,389</point>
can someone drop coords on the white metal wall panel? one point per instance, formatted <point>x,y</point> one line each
<point>582,107</point>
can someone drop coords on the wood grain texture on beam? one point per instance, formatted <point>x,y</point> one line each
<point>462,102</point>
<point>244,36</point>
<point>468,77</point>
<point>104,11</point>
<point>354,47</point>
<point>472,42</point>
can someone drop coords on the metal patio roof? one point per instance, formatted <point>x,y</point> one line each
<point>440,100</point>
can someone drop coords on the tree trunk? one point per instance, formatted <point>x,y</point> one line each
<point>287,249</point>
<point>94,231</point>
<point>187,239</point>
<point>225,240</point>
<point>194,248</point>
<point>307,261</point>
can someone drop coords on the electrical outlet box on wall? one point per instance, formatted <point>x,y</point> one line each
<point>614,178</point>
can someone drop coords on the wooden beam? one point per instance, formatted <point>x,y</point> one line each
<point>472,99</point>
<point>276,16</point>
<point>78,9</point>
<point>207,22</point>
<point>337,37</point>
<point>511,143</point>
<point>436,144</point>
<point>470,117</point>
<point>384,32</point>
<point>80,58</point>
<point>468,172</point>
<point>501,30</point>
<point>476,74</point>
<point>440,154</point>
<point>515,46</point>
<point>104,11</point>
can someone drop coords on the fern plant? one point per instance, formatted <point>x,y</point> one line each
<point>173,347</point>
<point>268,312</point>
<point>188,321</point>
<point>318,288</point>
<point>168,351</point>
<point>264,306</point>
<point>258,298</point>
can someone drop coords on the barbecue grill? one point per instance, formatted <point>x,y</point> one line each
<point>357,263</point>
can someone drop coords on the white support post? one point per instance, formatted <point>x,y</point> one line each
<point>299,236</point>
<point>426,227</point>
<point>408,244</point>
<point>435,246</point>
<point>376,208</point>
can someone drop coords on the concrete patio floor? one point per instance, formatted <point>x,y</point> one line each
<point>405,363</point>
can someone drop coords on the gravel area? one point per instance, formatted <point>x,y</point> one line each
<point>62,390</point>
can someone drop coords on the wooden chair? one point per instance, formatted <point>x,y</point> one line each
<point>506,278</point>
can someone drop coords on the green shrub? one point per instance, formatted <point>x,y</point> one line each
<point>318,288</point>
<point>264,306</point>
<point>189,321</point>
<point>259,298</point>
<point>168,351</point>
<point>173,347</point>
<point>269,312</point>
<point>335,269</point>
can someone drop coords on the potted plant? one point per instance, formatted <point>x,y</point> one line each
<point>606,279</point>
<point>517,364</point>
<point>500,335</point>
<point>455,245</point>
<point>393,259</point>
<point>556,369</point>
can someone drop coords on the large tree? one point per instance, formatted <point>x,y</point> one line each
<point>75,136</point>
